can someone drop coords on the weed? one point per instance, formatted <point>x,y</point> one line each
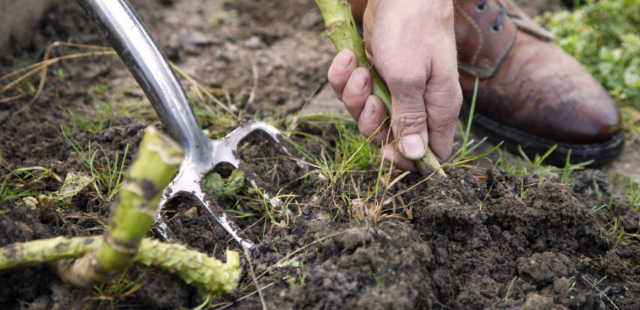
<point>375,277</point>
<point>59,73</point>
<point>331,119</point>
<point>596,208</point>
<point>573,287</point>
<point>633,194</point>
<point>522,190</point>
<point>240,214</point>
<point>352,154</point>
<point>115,291</point>
<point>545,173</point>
<point>206,110</point>
<point>28,80</point>
<point>485,197</point>
<point>24,182</point>
<point>106,114</point>
<point>107,173</point>
<point>596,190</point>
<point>207,303</point>
<point>596,258</point>
<point>615,226</point>
<point>506,299</point>
<point>619,239</point>
<point>272,206</point>
<point>570,168</point>
<point>223,16</point>
<point>597,282</point>
<point>302,275</point>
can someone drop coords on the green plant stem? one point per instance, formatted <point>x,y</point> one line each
<point>91,260</point>
<point>471,111</point>
<point>341,28</point>
<point>22,254</point>
<point>198,269</point>
<point>206,273</point>
<point>157,163</point>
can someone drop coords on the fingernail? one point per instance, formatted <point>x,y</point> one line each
<point>369,108</point>
<point>358,81</point>
<point>413,146</point>
<point>344,59</point>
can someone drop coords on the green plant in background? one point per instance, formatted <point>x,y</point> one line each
<point>604,36</point>
<point>545,173</point>
<point>105,112</point>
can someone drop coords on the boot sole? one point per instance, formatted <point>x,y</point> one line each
<point>600,153</point>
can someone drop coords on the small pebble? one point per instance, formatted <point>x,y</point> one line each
<point>190,214</point>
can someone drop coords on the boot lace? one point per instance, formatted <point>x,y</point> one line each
<point>496,27</point>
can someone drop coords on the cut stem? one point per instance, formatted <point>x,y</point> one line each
<point>341,28</point>
<point>206,273</point>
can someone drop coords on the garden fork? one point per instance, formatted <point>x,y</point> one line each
<point>119,23</point>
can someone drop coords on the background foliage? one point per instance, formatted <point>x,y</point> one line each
<point>604,36</point>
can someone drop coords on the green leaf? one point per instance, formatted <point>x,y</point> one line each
<point>213,180</point>
<point>225,190</point>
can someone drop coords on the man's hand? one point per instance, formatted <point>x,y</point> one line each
<point>412,46</point>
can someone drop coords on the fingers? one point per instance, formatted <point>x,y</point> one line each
<point>340,71</point>
<point>372,117</point>
<point>355,93</point>
<point>354,86</point>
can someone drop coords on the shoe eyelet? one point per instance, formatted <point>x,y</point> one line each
<point>481,7</point>
<point>496,28</point>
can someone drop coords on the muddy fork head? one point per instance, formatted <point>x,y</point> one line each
<point>119,23</point>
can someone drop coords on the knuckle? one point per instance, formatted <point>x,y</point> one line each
<point>405,81</point>
<point>409,119</point>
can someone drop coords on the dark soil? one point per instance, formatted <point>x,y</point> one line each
<point>484,241</point>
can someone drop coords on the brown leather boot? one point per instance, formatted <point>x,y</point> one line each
<point>531,93</point>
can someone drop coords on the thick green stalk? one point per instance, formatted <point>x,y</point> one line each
<point>341,28</point>
<point>206,273</point>
<point>37,252</point>
<point>157,163</point>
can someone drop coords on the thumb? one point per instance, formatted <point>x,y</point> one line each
<point>409,114</point>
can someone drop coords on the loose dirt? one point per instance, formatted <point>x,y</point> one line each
<point>480,239</point>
